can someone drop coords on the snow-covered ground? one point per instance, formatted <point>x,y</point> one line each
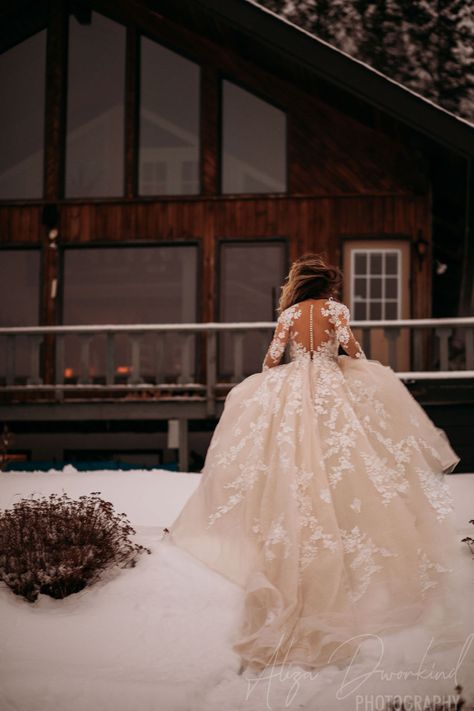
<point>158,637</point>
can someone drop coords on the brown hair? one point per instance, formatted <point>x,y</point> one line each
<point>310,277</point>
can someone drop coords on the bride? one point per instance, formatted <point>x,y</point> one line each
<point>323,493</point>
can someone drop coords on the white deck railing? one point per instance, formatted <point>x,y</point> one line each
<point>440,349</point>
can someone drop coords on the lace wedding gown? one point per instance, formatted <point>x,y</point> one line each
<point>323,496</point>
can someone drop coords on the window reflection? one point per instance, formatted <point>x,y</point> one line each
<point>19,303</point>
<point>129,285</point>
<point>253,143</point>
<point>251,274</point>
<point>22,77</point>
<point>169,122</point>
<point>95,108</point>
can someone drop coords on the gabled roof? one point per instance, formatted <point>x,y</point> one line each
<point>325,61</point>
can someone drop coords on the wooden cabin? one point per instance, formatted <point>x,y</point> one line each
<point>165,161</point>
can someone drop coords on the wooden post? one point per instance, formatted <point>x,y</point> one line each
<point>54,136</point>
<point>183,445</point>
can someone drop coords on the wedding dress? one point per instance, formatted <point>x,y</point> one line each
<point>323,496</point>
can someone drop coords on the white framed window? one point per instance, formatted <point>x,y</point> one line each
<point>375,283</point>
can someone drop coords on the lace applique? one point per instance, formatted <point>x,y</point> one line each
<point>339,316</point>
<point>277,534</point>
<point>280,338</point>
<point>325,495</point>
<point>388,481</point>
<point>426,568</point>
<point>364,552</point>
<point>437,492</point>
<point>356,504</point>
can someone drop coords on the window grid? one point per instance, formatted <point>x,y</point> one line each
<point>369,277</point>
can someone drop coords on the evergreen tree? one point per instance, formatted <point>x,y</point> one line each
<point>426,45</point>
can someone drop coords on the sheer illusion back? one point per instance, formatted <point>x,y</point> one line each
<point>314,327</point>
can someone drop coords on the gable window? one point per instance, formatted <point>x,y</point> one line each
<point>95,108</point>
<point>169,122</point>
<point>22,72</point>
<point>253,143</point>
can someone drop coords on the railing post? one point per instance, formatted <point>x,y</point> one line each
<point>391,335</point>
<point>110,359</point>
<point>469,348</point>
<point>443,335</point>
<point>238,352</point>
<point>34,377</point>
<point>417,348</point>
<point>186,375</point>
<point>159,357</point>
<point>211,372</point>
<point>366,341</point>
<point>59,368</point>
<point>10,364</point>
<point>183,445</point>
<point>135,377</point>
<point>85,339</point>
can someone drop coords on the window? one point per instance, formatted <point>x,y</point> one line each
<point>129,285</point>
<point>169,122</point>
<point>19,304</point>
<point>375,284</point>
<point>95,108</point>
<point>377,287</point>
<point>22,76</point>
<point>251,274</point>
<point>253,143</point>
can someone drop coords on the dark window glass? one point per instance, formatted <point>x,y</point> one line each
<point>360,311</point>
<point>360,264</point>
<point>376,288</point>
<point>130,285</point>
<point>251,274</point>
<point>253,143</point>
<point>169,122</point>
<point>95,108</point>
<point>391,263</point>
<point>391,309</point>
<point>375,263</point>
<point>22,78</point>
<point>19,303</point>
<point>391,288</point>
<point>376,310</point>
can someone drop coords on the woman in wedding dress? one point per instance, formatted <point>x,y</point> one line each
<point>323,492</point>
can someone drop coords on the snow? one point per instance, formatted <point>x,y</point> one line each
<point>158,637</point>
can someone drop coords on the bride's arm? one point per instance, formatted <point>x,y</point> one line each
<point>340,319</point>
<point>277,346</point>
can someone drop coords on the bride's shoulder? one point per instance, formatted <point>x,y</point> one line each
<point>289,314</point>
<point>334,308</point>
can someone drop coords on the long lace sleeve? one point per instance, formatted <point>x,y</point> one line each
<point>280,339</point>
<point>340,319</point>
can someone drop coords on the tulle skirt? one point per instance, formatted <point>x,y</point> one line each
<point>324,496</point>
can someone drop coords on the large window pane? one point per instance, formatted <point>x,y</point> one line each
<point>253,143</point>
<point>95,108</point>
<point>169,122</point>
<point>19,304</point>
<point>129,285</point>
<point>251,274</point>
<point>22,81</point>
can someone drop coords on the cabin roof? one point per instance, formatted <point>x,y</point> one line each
<point>281,37</point>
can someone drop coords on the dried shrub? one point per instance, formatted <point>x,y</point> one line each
<point>56,545</point>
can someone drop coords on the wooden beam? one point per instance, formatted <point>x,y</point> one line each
<point>54,156</point>
<point>132,71</point>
